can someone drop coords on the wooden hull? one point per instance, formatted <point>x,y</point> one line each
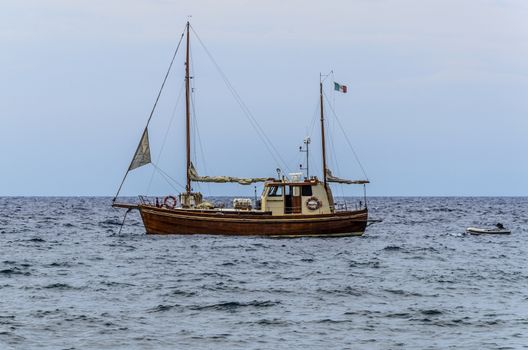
<point>185,222</point>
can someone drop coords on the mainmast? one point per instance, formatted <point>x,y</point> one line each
<point>322,131</point>
<point>187,116</point>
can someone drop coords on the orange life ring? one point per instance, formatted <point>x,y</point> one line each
<point>313,203</point>
<point>170,202</point>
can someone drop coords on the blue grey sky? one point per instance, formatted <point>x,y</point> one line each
<point>437,102</point>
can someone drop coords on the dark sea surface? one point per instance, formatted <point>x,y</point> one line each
<point>68,280</point>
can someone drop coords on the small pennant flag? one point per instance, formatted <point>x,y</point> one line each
<point>340,88</point>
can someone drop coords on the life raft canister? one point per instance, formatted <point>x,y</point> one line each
<point>313,203</point>
<point>170,202</point>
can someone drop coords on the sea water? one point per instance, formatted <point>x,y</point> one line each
<point>70,280</point>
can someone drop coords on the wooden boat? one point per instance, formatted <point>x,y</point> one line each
<point>289,206</point>
<point>487,231</point>
<point>185,221</point>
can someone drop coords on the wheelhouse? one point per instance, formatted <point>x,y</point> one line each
<point>306,197</point>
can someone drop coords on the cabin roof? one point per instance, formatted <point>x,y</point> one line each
<point>275,182</point>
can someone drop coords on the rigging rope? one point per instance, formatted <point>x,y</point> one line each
<point>163,173</point>
<point>196,128</point>
<point>310,129</point>
<point>333,152</point>
<point>153,107</point>
<point>260,132</point>
<point>331,132</point>
<point>173,115</point>
<point>123,222</point>
<point>347,139</point>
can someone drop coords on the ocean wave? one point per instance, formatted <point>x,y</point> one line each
<point>412,281</point>
<point>234,305</point>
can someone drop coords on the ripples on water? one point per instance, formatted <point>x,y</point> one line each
<point>68,280</point>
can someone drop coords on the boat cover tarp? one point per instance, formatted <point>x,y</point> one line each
<point>332,178</point>
<point>142,155</point>
<point>193,174</point>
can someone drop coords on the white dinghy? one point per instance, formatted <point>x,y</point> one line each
<point>498,229</point>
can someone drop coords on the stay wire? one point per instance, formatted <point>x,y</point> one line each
<point>192,111</point>
<point>173,115</point>
<point>197,127</point>
<point>333,106</point>
<point>348,140</point>
<point>311,127</point>
<point>333,153</point>
<point>123,222</point>
<point>260,132</point>
<point>267,142</point>
<point>153,109</point>
<point>340,186</point>
<point>167,176</point>
<point>309,131</point>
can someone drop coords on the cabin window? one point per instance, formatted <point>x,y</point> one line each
<point>275,191</point>
<point>295,191</point>
<point>307,191</point>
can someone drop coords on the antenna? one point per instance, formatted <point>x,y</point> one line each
<point>306,150</point>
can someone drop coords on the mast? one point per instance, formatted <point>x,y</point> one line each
<point>187,116</point>
<point>322,131</point>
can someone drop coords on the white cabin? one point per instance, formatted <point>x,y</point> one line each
<point>306,197</point>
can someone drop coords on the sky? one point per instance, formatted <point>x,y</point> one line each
<point>437,100</point>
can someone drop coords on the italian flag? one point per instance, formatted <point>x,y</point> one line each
<point>339,87</point>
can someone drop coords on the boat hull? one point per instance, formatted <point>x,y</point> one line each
<point>482,231</point>
<point>188,222</point>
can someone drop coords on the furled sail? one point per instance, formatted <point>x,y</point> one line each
<point>142,155</point>
<point>193,174</point>
<point>332,178</point>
